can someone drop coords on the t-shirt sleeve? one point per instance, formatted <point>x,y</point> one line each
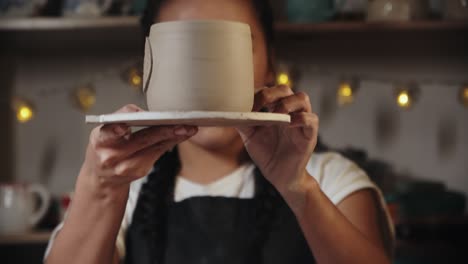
<point>337,176</point>
<point>135,188</point>
<point>52,239</point>
<point>120,242</point>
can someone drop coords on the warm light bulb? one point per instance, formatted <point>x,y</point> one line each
<point>404,99</point>
<point>134,77</point>
<point>85,97</point>
<point>24,113</point>
<point>346,90</point>
<point>283,79</point>
<point>345,94</point>
<point>24,109</point>
<point>136,80</point>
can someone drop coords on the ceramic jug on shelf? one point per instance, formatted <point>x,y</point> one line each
<point>18,212</point>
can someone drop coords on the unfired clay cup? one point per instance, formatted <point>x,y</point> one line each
<point>199,66</point>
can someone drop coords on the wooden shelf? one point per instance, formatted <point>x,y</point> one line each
<point>49,23</point>
<point>362,26</point>
<point>46,23</point>
<point>64,36</point>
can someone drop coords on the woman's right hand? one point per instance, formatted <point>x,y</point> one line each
<point>115,156</point>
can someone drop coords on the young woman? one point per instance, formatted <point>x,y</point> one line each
<point>182,194</point>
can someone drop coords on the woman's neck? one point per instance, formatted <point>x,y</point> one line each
<point>205,166</point>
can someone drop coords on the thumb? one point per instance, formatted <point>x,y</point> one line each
<point>111,134</point>
<point>246,132</point>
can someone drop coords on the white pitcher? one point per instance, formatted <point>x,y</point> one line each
<point>17,207</point>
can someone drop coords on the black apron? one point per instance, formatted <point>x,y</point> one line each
<point>213,230</point>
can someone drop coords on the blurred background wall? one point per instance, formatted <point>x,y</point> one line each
<point>429,141</point>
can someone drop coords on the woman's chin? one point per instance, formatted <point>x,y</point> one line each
<point>213,138</point>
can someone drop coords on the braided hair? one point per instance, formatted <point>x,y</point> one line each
<point>158,192</point>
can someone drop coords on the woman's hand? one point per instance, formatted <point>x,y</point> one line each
<point>282,152</point>
<point>115,157</point>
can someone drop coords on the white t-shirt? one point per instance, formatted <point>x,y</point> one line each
<point>337,176</point>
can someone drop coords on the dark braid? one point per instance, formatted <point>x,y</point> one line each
<point>158,192</point>
<point>266,200</point>
<point>153,202</point>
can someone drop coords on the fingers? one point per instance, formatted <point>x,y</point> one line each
<point>117,167</point>
<point>139,164</point>
<point>268,96</point>
<point>107,135</point>
<point>118,157</point>
<point>308,121</point>
<point>130,108</point>
<point>294,103</point>
<point>110,134</point>
<point>153,135</point>
<point>282,99</point>
<point>148,137</point>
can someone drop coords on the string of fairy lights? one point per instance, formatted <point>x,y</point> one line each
<point>83,96</point>
<point>406,94</point>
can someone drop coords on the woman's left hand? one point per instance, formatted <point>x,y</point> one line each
<point>282,152</point>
